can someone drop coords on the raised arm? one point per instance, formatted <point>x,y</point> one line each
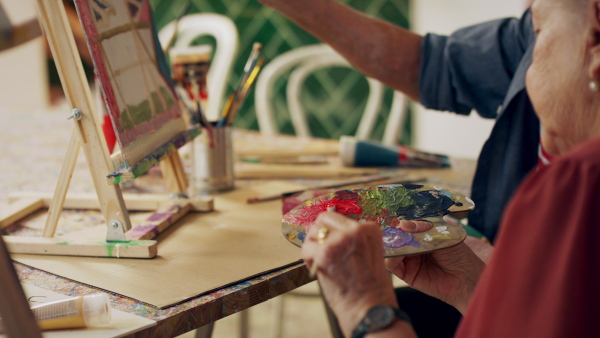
<point>377,48</point>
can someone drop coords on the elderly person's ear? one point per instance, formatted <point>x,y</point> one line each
<point>594,39</point>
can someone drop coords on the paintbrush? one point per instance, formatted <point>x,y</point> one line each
<point>379,179</point>
<point>313,269</point>
<point>252,59</point>
<point>312,273</point>
<point>182,94</point>
<point>244,92</point>
<point>169,43</point>
<point>199,114</point>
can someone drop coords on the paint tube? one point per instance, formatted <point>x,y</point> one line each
<point>361,153</point>
<point>77,312</point>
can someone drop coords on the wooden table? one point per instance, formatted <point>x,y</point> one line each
<point>49,142</point>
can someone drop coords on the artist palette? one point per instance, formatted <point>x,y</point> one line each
<point>388,205</point>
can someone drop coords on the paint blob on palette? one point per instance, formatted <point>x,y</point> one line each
<point>388,205</point>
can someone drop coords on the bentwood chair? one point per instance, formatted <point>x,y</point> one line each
<point>303,62</point>
<point>224,31</point>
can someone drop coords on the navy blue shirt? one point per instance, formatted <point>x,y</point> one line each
<point>482,68</point>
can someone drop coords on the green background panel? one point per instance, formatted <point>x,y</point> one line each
<point>334,98</point>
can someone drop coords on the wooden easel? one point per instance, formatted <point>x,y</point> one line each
<point>109,198</point>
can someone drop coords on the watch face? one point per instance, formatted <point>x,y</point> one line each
<point>380,316</point>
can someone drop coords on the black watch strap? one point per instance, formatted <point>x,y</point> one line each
<point>377,318</point>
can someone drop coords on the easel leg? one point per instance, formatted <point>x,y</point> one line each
<point>172,170</point>
<point>60,193</point>
<point>54,20</point>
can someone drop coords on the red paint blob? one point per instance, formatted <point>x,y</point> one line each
<point>347,195</point>
<point>306,216</point>
<point>343,207</point>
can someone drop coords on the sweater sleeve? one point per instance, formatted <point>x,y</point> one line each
<point>543,278</point>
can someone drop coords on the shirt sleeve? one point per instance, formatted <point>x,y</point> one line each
<point>473,67</point>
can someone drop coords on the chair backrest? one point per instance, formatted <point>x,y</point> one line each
<point>304,61</point>
<point>222,28</point>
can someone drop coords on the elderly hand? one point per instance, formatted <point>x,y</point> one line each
<point>350,265</point>
<point>481,247</point>
<point>448,274</point>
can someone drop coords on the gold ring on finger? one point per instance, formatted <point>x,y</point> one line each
<point>322,235</point>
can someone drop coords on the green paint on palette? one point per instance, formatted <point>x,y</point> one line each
<point>388,199</point>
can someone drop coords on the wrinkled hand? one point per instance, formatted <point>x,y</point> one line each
<point>449,274</point>
<point>481,247</point>
<point>351,267</point>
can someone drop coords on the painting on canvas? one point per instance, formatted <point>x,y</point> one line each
<point>139,97</point>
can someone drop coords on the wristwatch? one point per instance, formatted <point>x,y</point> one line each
<point>378,317</point>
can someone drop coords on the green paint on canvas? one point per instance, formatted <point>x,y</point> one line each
<point>167,96</point>
<point>156,102</point>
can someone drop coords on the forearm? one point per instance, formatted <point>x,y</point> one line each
<point>377,48</point>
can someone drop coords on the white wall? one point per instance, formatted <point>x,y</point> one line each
<point>24,80</point>
<point>443,17</point>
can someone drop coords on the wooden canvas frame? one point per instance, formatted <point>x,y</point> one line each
<point>121,241</point>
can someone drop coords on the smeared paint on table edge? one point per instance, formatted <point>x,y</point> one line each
<point>190,314</point>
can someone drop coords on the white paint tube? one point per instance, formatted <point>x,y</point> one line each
<point>77,312</point>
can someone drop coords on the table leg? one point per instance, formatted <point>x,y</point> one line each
<point>205,331</point>
<point>336,332</point>
<point>245,323</point>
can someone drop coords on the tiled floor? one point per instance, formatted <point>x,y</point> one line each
<point>303,317</point>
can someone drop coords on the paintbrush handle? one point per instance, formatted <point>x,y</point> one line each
<point>252,59</point>
<point>377,179</point>
<point>169,43</point>
<point>237,104</point>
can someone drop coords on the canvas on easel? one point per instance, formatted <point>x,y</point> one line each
<point>147,119</point>
<point>139,98</point>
